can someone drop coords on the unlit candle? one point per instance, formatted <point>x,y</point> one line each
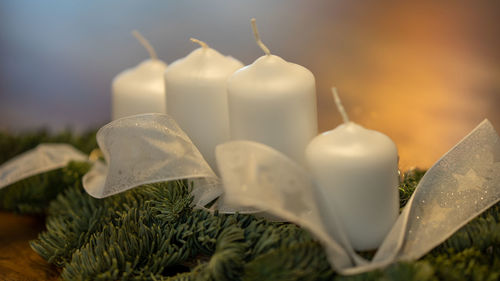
<point>139,89</point>
<point>273,102</point>
<point>197,96</point>
<point>357,170</point>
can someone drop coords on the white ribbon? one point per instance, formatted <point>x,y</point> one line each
<point>43,158</point>
<point>152,148</point>
<point>461,185</point>
<point>149,148</point>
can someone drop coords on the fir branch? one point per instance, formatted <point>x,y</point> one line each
<point>33,195</point>
<point>469,264</point>
<point>153,233</point>
<point>301,261</point>
<point>227,261</point>
<point>415,271</point>
<point>75,216</point>
<point>12,145</point>
<point>408,185</point>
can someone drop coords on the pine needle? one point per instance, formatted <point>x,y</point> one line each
<point>153,233</point>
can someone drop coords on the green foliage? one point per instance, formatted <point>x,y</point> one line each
<point>416,271</point>
<point>153,233</point>
<point>32,195</point>
<point>408,185</point>
<point>300,261</point>
<point>473,252</point>
<point>12,145</point>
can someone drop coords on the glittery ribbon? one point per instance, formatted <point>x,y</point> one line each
<point>152,148</point>
<point>44,158</point>
<point>461,185</point>
<point>149,148</point>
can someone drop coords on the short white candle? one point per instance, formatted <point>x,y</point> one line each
<point>273,102</point>
<point>197,97</point>
<point>139,89</point>
<point>357,170</point>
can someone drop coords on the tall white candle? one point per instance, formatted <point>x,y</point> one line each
<point>197,97</point>
<point>273,102</point>
<point>139,89</point>
<point>357,170</point>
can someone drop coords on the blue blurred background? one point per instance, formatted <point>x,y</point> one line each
<point>423,72</point>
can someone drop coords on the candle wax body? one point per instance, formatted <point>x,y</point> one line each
<point>274,102</point>
<point>139,90</point>
<point>357,172</point>
<point>197,97</point>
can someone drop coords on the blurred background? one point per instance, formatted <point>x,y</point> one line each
<point>423,72</point>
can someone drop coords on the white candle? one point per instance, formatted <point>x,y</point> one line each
<point>357,170</point>
<point>197,97</point>
<point>273,102</point>
<point>139,89</point>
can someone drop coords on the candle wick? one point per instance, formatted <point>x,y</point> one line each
<point>202,44</point>
<point>340,107</point>
<point>144,42</point>
<point>257,37</point>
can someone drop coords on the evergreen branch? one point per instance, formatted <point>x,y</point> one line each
<point>33,195</point>
<point>301,261</point>
<point>12,145</point>
<point>227,261</point>
<point>408,185</point>
<point>153,233</point>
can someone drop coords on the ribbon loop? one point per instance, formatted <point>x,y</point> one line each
<point>43,158</point>
<point>149,148</point>
<point>461,185</point>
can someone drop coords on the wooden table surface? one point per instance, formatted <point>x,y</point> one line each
<point>17,260</point>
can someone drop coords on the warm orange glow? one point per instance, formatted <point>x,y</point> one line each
<point>423,72</point>
<point>421,85</point>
